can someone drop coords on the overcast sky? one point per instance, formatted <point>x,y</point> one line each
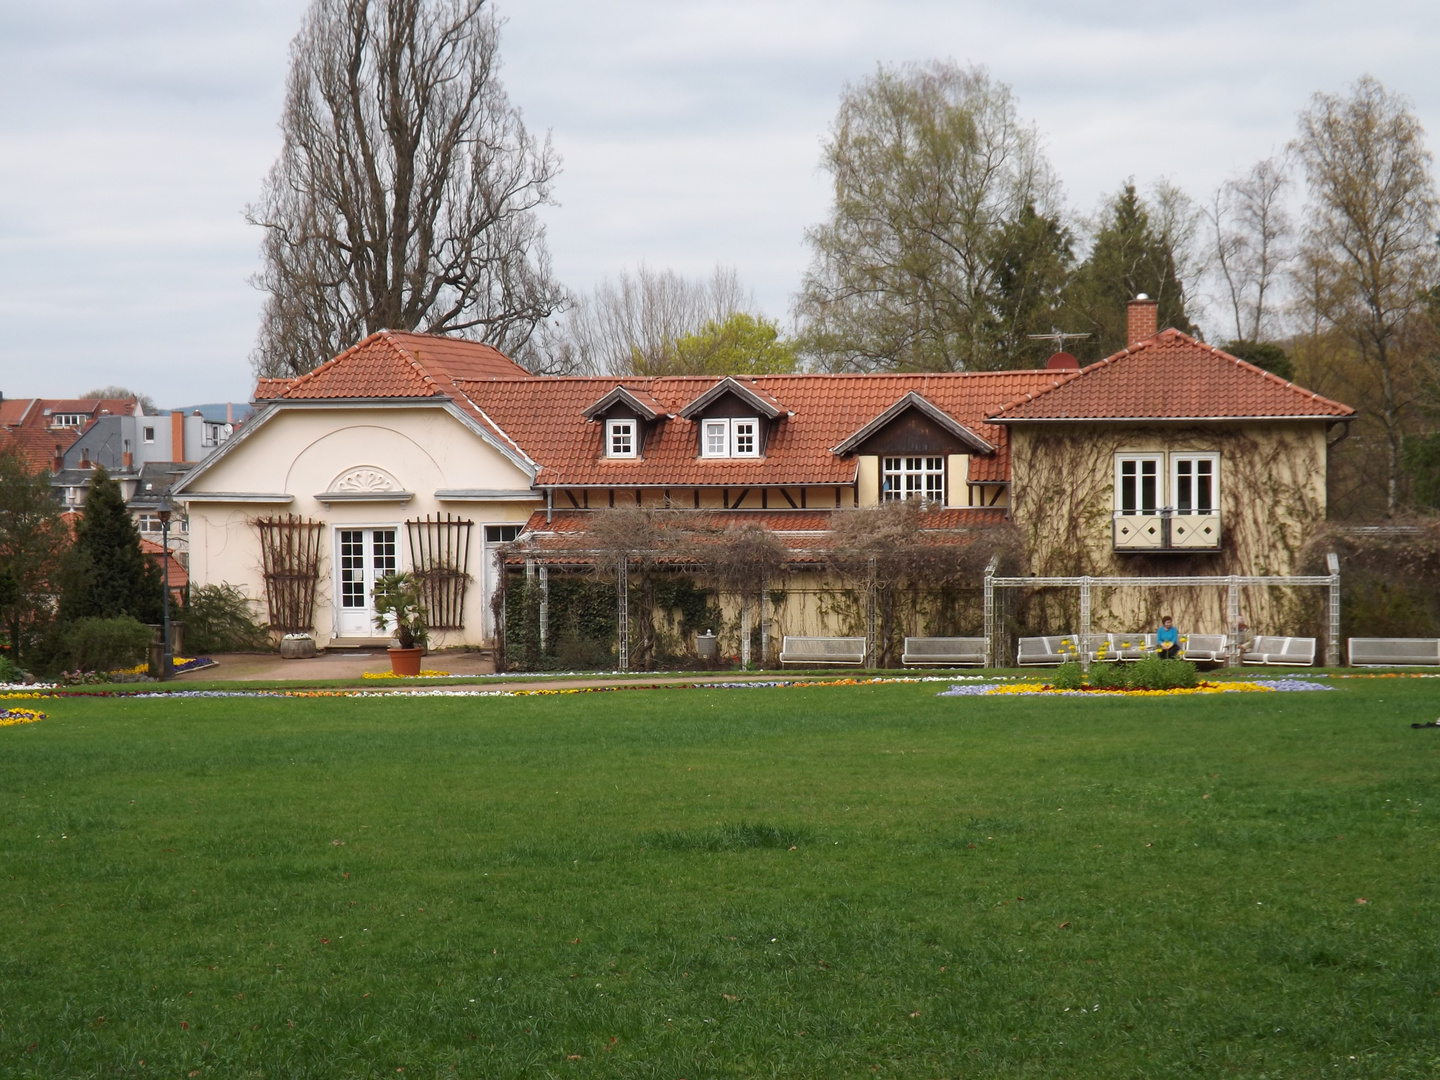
<point>134,132</point>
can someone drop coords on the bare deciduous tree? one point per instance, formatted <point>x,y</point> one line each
<point>932,171</point>
<point>1251,231</point>
<point>1371,242</point>
<point>405,194</point>
<point>630,323</point>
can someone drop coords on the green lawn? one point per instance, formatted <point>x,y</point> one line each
<point>830,882</point>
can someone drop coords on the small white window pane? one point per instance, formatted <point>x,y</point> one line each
<point>745,434</point>
<point>717,438</point>
<point>621,438</point>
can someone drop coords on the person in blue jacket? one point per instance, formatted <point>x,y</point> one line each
<point>1167,640</point>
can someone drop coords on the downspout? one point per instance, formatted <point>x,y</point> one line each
<point>549,503</point>
<point>1345,434</point>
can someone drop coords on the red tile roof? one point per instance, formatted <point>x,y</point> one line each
<point>266,389</point>
<point>545,417</point>
<point>179,576</point>
<point>1170,376</point>
<point>391,364</point>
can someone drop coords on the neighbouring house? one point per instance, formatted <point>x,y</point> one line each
<point>144,453</point>
<point>443,457</point>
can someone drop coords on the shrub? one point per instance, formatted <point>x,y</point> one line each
<point>1068,676</point>
<point>104,644</point>
<point>9,673</point>
<point>1153,673</point>
<point>219,618</point>
<point>1108,677</point>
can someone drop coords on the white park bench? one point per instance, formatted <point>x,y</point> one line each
<point>1131,646</point>
<point>823,650</point>
<point>1296,651</point>
<point>1046,651</point>
<point>1211,648</point>
<point>1394,652</point>
<point>944,651</point>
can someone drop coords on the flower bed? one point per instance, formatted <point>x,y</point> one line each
<point>1030,689</point>
<point>12,717</point>
<point>420,675</point>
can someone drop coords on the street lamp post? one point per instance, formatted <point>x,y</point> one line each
<point>167,659</point>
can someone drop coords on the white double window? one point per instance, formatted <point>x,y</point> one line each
<point>621,439</point>
<point>913,478</point>
<point>730,438</point>
<point>1145,486</point>
<point>1192,483</point>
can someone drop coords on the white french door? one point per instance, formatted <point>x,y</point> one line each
<point>495,535</point>
<point>361,556</point>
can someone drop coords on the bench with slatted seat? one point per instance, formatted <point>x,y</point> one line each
<point>1288,651</point>
<point>1208,648</point>
<point>944,652</point>
<point>1394,652</point>
<point>1131,646</point>
<point>1045,651</point>
<point>823,650</point>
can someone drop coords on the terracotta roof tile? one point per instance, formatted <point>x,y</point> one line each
<point>1170,376</point>
<point>179,576</point>
<point>390,364</point>
<point>266,389</point>
<point>545,417</point>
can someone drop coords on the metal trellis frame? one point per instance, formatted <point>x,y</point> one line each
<point>1232,582</point>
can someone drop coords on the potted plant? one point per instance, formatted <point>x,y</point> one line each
<point>400,608</point>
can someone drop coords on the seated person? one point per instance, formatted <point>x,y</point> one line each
<point>1167,639</point>
<point>1244,638</point>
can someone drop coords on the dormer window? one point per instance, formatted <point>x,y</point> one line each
<point>68,420</point>
<point>920,478</point>
<point>730,437</point>
<point>620,440</point>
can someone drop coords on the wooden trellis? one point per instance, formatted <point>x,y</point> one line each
<point>440,556</point>
<point>290,559</point>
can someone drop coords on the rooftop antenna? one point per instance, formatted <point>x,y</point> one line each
<point>1058,338</point>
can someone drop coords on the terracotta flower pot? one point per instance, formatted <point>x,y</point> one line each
<point>406,661</point>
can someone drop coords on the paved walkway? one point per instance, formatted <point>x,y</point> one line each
<point>265,667</point>
<point>268,667</point>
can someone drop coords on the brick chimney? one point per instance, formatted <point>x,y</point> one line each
<point>1142,320</point>
<point>59,462</point>
<point>177,436</point>
<point>84,459</point>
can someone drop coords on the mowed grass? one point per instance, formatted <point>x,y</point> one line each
<point>830,882</point>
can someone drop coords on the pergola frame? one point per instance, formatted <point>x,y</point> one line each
<point>1231,582</point>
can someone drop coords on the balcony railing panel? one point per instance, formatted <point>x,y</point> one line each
<point>1166,530</point>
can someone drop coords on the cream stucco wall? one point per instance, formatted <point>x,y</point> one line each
<point>1271,499</point>
<point>301,452</point>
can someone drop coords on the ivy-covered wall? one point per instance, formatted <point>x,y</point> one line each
<point>1271,499</point>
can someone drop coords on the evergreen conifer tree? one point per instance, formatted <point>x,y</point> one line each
<point>1130,256</point>
<point>107,575</point>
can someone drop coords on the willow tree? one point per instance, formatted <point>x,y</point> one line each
<point>405,194</point>
<point>1370,246</point>
<point>931,247</point>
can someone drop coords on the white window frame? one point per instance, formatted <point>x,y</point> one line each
<point>918,476</point>
<point>147,434</point>
<point>68,420</point>
<point>727,437</point>
<point>1194,459</point>
<point>1157,460</point>
<point>614,431</point>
